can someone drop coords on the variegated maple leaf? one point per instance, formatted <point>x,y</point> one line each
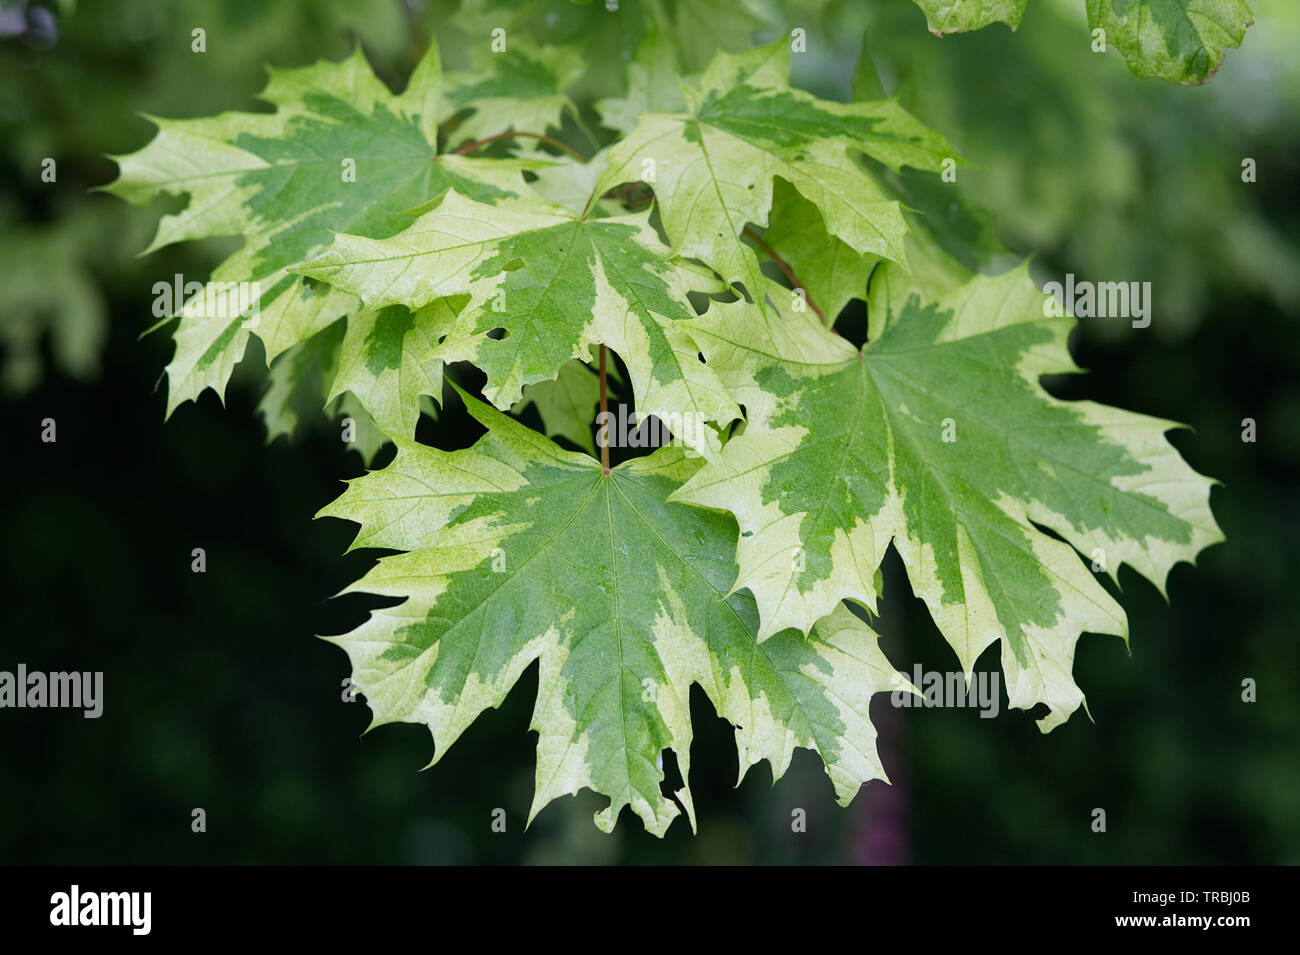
<point>516,550</point>
<point>556,283</point>
<point>298,384</point>
<point>520,88</point>
<point>829,271</point>
<point>340,153</point>
<point>713,164</point>
<point>388,359</point>
<point>938,437</point>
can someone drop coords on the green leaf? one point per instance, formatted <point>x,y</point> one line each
<point>388,360</point>
<point>652,86</point>
<point>699,28</point>
<point>353,418</point>
<point>556,284</point>
<point>517,88</point>
<point>830,272</point>
<point>567,182</point>
<point>297,382</point>
<point>956,16</point>
<point>938,437</point>
<point>567,405</point>
<point>214,329</point>
<point>518,551</point>
<point>713,165</point>
<point>1179,40</point>
<point>340,153</point>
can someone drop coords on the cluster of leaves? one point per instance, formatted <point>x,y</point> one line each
<point>712,244</point>
<point>109,56</point>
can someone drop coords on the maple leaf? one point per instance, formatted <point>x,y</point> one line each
<point>567,404</point>
<point>388,360</point>
<point>376,368</point>
<point>516,550</point>
<point>957,16</point>
<point>830,272</point>
<point>339,153</point>
<point>298,381</point>
<point>938,437</point>
<point>653,86</point>
<point>556,283</point>
<point>713,165</point>
<point>519,88</point>
<point>1178,40</point>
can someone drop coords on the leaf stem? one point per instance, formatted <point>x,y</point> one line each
<point>549,140</point>
<point>604,414</point>
<point>789,272</point>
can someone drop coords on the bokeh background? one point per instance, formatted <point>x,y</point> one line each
<point>218,694</point>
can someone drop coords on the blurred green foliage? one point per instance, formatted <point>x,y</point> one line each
<point>218,695</point>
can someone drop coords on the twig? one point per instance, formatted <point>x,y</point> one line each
<point>604,415</point>
<point>789,272</point>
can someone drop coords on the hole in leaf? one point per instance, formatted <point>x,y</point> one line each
<point>672,780</point>
<point>852,322</point>
<point>455,428</point>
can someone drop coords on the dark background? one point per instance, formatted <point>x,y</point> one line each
<point>218,695</point>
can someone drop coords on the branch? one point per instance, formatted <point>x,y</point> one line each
<point>604,414</point>
<point>789,272</point>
